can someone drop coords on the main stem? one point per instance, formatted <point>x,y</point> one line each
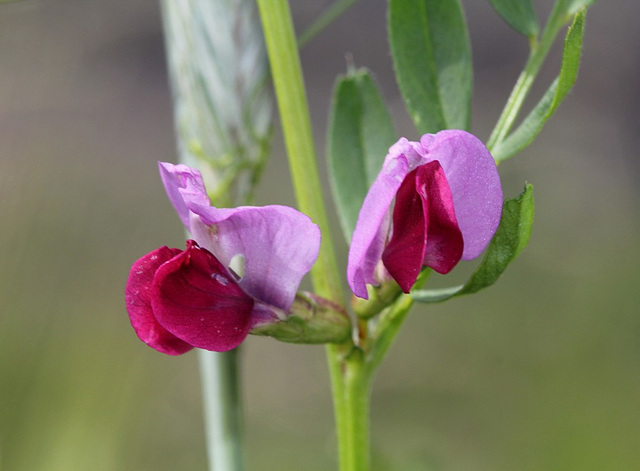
<point>356,439</point>
<point>296,126</point>
<point>349,379</point>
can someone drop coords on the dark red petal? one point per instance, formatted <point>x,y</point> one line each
<point>138,300</point>
<point>196,299</point>
<point>425,230</point>
<point>445,244</point>
<point>404,255</point>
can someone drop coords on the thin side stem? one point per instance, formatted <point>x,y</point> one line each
<point>387,330</point>
<point>390,321</point>
<point>222,409</point>
<point>538,53</point>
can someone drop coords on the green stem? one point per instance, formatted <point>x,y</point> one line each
<point>538,53</point>
<point>296,126</point>
<point>355,440</point>
<point>387,330</point>
<point>340,401</point>
<point>222,409</point>
<point>389,323</point>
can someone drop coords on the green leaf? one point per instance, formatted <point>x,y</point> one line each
<point>519,14</point>
<point>360,133</point>
<point>534,122</point>
<point>432,60</point>
<point>511,237</point>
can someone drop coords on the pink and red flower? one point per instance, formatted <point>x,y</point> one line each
<point>178,300</point>
<point>448,202</point>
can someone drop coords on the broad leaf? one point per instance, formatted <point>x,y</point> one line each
<point>360,133</point>
<point>511,237</point>
<point>432,60</point>
<point>534,122</point>
<point>519,14</point>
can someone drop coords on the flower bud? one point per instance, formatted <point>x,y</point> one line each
<point>311,320</point>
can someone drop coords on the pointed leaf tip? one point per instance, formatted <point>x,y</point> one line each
<point>519,14</point>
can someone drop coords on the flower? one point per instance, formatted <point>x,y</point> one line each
<point>448,202</point>
<point>177,300</point>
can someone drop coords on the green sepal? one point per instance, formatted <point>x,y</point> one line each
<point>360,133</point>
<point>432,61</point>
<point>511,237</point>
<point>311,320</point>
<point>546,107</point>
<point>519,14</point>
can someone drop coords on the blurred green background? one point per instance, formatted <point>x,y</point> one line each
<point>541,372</point>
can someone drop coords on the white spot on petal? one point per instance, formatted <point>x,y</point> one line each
<point>237,265</point>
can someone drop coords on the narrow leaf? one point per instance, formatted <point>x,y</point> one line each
<point>511,237</point>
<point>534,122</point>
<point>432,60</point>
<point>360,133</point>
<point>519,14</point>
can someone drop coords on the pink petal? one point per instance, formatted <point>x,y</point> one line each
<point>474,183</point>
<point>370,234</point>
<point>196,299</point>
<point>138,298</point>
<point>182,183</point>
<point>279,246</point>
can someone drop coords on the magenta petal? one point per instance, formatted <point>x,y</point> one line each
<point>138,301</point>
<point>425,231</point>
<point>196,299</point>
<point>404,255</point>
<point>474,183</point>
<point>279,246</point>
<point>444,238</point>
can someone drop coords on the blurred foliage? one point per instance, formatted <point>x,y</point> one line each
<point>539,372</point>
